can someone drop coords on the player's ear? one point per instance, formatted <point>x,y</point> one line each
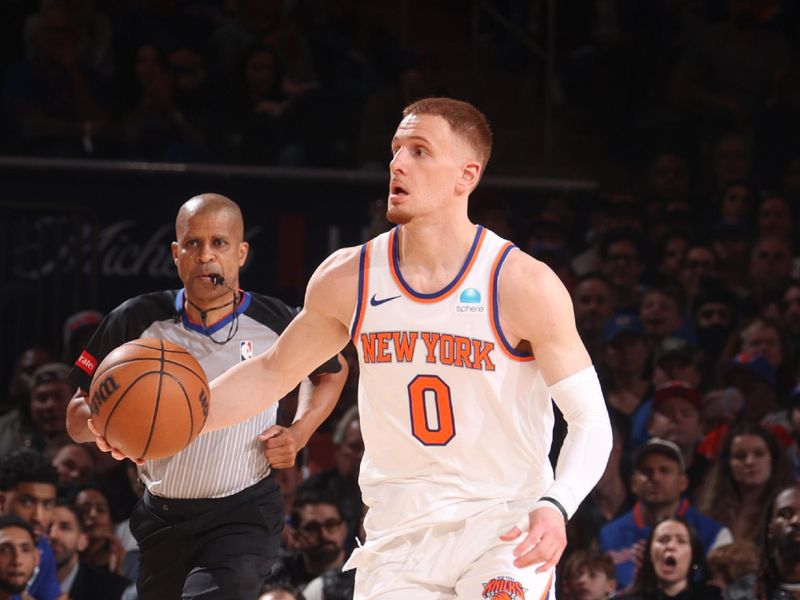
<point>244,248</point>
<point>175,252</point>
<point>470,175</point>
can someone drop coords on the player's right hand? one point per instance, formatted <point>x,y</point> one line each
<point>103,444</point>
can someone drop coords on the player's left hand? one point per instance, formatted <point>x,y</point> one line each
<point>545,541</point>
<point>280,446</point>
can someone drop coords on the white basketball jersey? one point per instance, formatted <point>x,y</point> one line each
<point>453,418</point>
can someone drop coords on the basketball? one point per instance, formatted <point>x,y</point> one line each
<point>149,398</point>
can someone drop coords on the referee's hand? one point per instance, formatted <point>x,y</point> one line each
<point>280,446</point>
<point>103,444</point>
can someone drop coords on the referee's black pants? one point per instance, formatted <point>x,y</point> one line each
<point>208,549</point>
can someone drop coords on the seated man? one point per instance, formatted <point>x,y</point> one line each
<point>18,556</point>
<point>659,481</point>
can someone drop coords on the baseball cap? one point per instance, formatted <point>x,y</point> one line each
<point>679,389</point>
<point>619,324</point>
<point>756,364</point>
<point>50,373</point>
<point>673,346</point>
<point>659,446</point>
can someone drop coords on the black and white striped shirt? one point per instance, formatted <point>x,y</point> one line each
<point>222,462</point>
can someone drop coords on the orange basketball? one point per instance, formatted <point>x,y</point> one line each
<point>149,398</point>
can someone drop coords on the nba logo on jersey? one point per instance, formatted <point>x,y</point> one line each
<point>503,588</point>
<point>245,350</point>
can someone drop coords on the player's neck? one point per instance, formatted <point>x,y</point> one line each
<point>435,247</point>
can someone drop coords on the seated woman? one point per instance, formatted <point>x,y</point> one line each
<point>673,565</point>
<point>750,468</point>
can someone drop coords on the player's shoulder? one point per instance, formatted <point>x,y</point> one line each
<point>341,265</point>
<point>524,276</point>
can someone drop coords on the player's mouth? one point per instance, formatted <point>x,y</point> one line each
<point>397,191</point>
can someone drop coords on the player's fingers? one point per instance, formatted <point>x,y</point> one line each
<point>552,561</point>
<point>90,424</point>
<point>531,541</point>
<point>271,432</point>
<point>511,534</point>
<point>541,552</point>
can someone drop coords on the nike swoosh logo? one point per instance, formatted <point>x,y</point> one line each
<point>375,302</point>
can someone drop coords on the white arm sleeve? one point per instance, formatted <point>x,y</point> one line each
<point>586,448</point>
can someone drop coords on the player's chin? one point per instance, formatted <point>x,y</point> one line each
<point>397,215</point>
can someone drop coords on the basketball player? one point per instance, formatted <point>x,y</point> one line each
<point>210,520</point>
<point>462,342</point>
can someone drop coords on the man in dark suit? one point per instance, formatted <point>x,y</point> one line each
<point>80,581</point>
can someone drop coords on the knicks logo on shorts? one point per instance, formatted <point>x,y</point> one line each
<point>245,350</point>
<point>503,588</point>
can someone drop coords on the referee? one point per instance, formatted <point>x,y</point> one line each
<point>210,520</point>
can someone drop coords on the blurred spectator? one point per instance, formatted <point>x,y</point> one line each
<point>673,564</point>
<point>766,337</point>
<point>492,211</point>
<point>75,465</point>
<point>785,424</point>
<point>79,580</point>
<point>682,405</point>
<point>780,559</point>
<point>733,569</point>
<point>661,312</point>
<point>622,261</point>
<point>93,32</point>
<point>51,392</point>
<point>732,160</point>
<point>289,480</point>
<point>671,252</point>
<point>737,203</point>
<point>751,466</point>
<point>19,383</point>
<point>320,540</point>
<point>53,103</point>
<point>625,360</point>
<point>155,128</point>
<point>262,22</point>
<point>28,491</point>
<point>659,482</point>
<point>593,304</point>
<point>775,217</point>
<point>754,376</point>
<point>667,180</point>
<point>770,268</point>
<point>732,244</point>
<point>263,124</point>
<point>342,481</point>
<point>731,71</point>
<point>104,549</point>
<point>714,318</point>
<point>699,263</point>
<point>589,575</point>
<point>78,329</point>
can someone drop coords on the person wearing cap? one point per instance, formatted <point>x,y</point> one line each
<point>659,482</point>
<point>625,356</point>
<point>682,405</point>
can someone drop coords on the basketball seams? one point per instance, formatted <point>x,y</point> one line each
<point>124,396</point>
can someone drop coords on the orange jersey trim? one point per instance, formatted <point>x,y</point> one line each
<point>449,289</point>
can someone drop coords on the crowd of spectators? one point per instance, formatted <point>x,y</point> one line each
<point>684,273</point>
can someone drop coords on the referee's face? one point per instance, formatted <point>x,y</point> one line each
<point>209,243</point>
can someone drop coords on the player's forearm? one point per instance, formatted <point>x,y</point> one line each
<point>316,400</point>
<point>77,414</point>
<point>244,391</point>
<point>585,451</point>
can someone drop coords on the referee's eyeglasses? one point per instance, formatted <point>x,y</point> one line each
<point>316,527</point>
